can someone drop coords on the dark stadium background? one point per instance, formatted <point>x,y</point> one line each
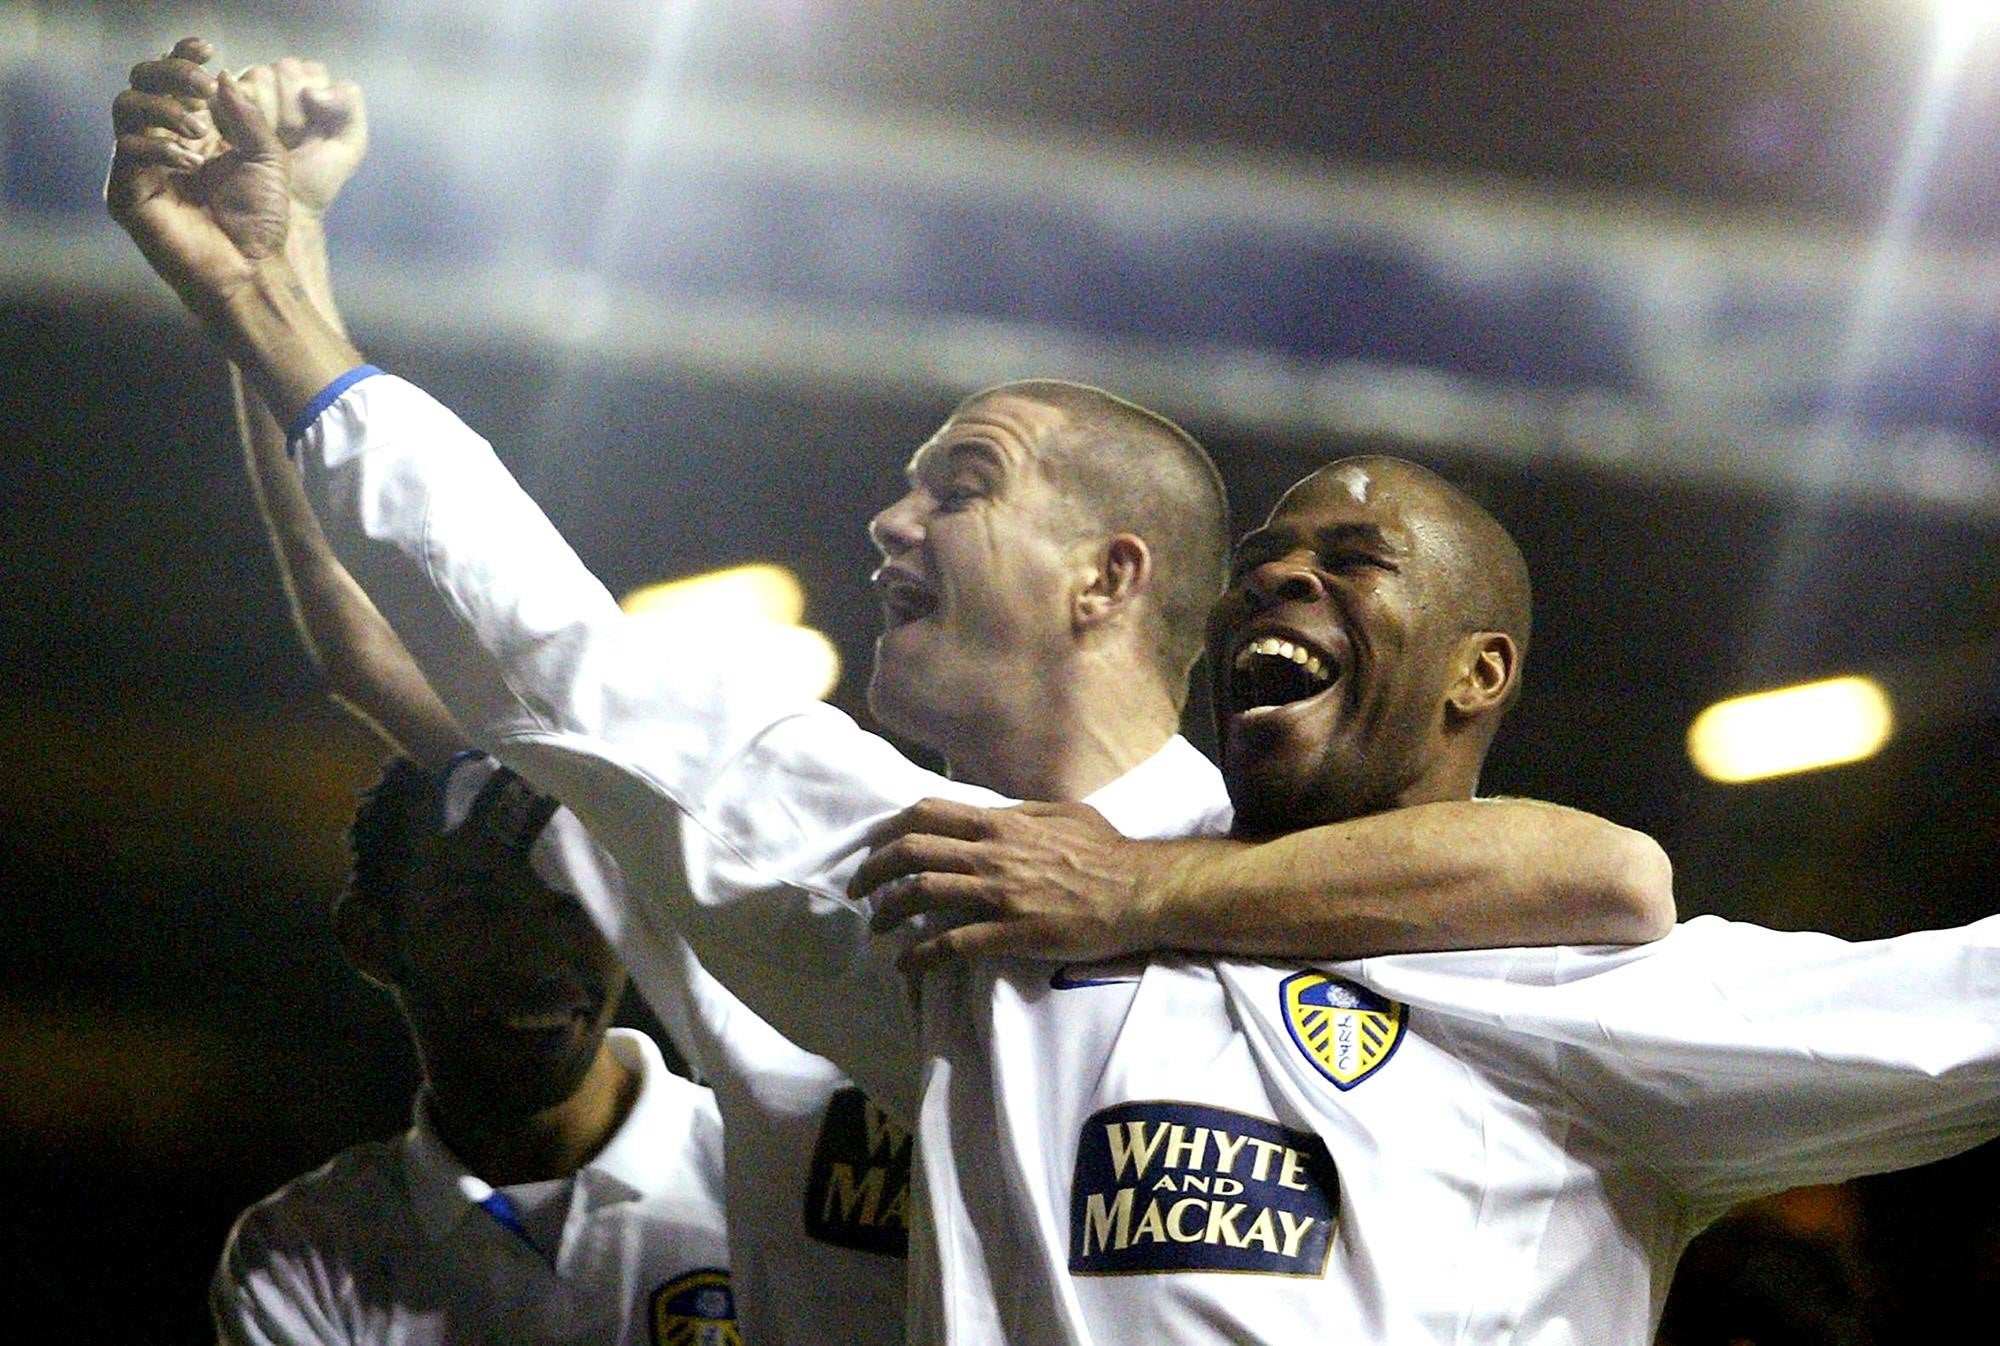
<point>1693,295</point>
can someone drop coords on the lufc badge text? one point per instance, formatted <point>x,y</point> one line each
<point>1171,1186</point>
<point>1348,1032</point>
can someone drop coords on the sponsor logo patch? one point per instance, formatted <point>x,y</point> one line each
<point>1165,1186</point>
<point>1348,1032</point>
<point>696,1310</point>
<point>858,1190</point>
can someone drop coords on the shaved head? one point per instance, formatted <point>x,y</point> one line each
<point>1123,469</point>
<point>1369,645</point>
<point>1484,573</point>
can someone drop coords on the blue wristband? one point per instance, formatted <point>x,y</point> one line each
<point>325,398</point>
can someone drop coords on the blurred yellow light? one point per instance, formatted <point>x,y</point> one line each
<point>759,607</point>
<point>1802,728</point>
<point>765,593</point>
<point>805,654</point>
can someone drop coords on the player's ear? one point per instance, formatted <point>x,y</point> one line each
<point>1118,570</point>
<point>362,929</point>
<point>1488,664</point>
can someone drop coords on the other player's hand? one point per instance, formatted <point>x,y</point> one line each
<point>199,178</point>
<point>1049,881</point>
<point>321,122</point>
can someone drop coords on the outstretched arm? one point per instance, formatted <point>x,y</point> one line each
<point>1056,881</point>
<point>323,126</point>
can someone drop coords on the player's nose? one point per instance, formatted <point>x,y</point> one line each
<point>899,527</point>
<point>1285,579</point>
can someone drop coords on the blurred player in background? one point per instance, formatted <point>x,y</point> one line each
<point>558,1183</point>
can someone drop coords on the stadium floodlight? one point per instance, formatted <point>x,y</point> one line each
<point>1791,729</point>
<point>759,592</point>
<point>1960,24</point>
<point>758,609</point>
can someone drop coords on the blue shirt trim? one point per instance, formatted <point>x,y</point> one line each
<point>505,1213</point>
<point>325,398</point>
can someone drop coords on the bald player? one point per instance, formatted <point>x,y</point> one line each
<point>1014,611</point>
<point>1498,1146</point>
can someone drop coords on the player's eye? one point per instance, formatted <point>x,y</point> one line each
<point>1248,558</point>
<point>959,493</point>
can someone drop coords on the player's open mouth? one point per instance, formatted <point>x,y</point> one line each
<point>904,598</point>
<point>1272,670</point>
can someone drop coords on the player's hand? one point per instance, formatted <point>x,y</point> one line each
<point>1050,881</point>
<point>322,123</point>
<point>199,179</point>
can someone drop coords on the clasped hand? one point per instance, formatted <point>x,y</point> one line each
<point>1050,881</point>
<point>213,173</point>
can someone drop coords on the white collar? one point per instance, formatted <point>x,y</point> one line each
<point>1177,792</point>
<point>637,1160</point>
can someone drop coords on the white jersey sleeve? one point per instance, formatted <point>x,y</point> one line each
<point>263,1295</point>
<point>1739,1061</point>
<point>736,810</point>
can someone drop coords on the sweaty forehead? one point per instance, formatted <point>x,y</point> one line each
<point>1005,428</point>
<point>1344,492</point>
<point>1354,479</point>
<point>1393,483</point>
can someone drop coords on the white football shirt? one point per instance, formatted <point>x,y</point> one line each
<point>389,1244</point>
<point>1179,1149</point>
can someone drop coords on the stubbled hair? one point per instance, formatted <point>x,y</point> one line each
<point>1489,576</point>
<point>1124,469</point>
<point>379,838</point>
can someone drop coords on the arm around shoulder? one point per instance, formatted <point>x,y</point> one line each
<point>1056,881</point>
<point>1457,874</point>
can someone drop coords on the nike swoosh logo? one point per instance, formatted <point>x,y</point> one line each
<point>1076,976</point>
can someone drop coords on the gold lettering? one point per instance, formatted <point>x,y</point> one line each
<point>1136,1148</point>
<point>1288,1173</point>
<point>1174,1229</point>
<point>897,1212</point>
<point>1111,1224</point>
<point>1295,1230</point>
<point>882,1133</point>
<point>1263,1231</point>
<point>1183,1152</point>
<point>1265,1149</point>
<point>866,1196</point>
<point>1150,1224</point>
<point>1227,1147</point>
<point>1226,1187</point>
<point>1222,1223</point>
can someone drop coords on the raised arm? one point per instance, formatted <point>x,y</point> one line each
<point>201,182</point>
<point>669,746</point>
<point>1056,881</point>
<point>324,128</point>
